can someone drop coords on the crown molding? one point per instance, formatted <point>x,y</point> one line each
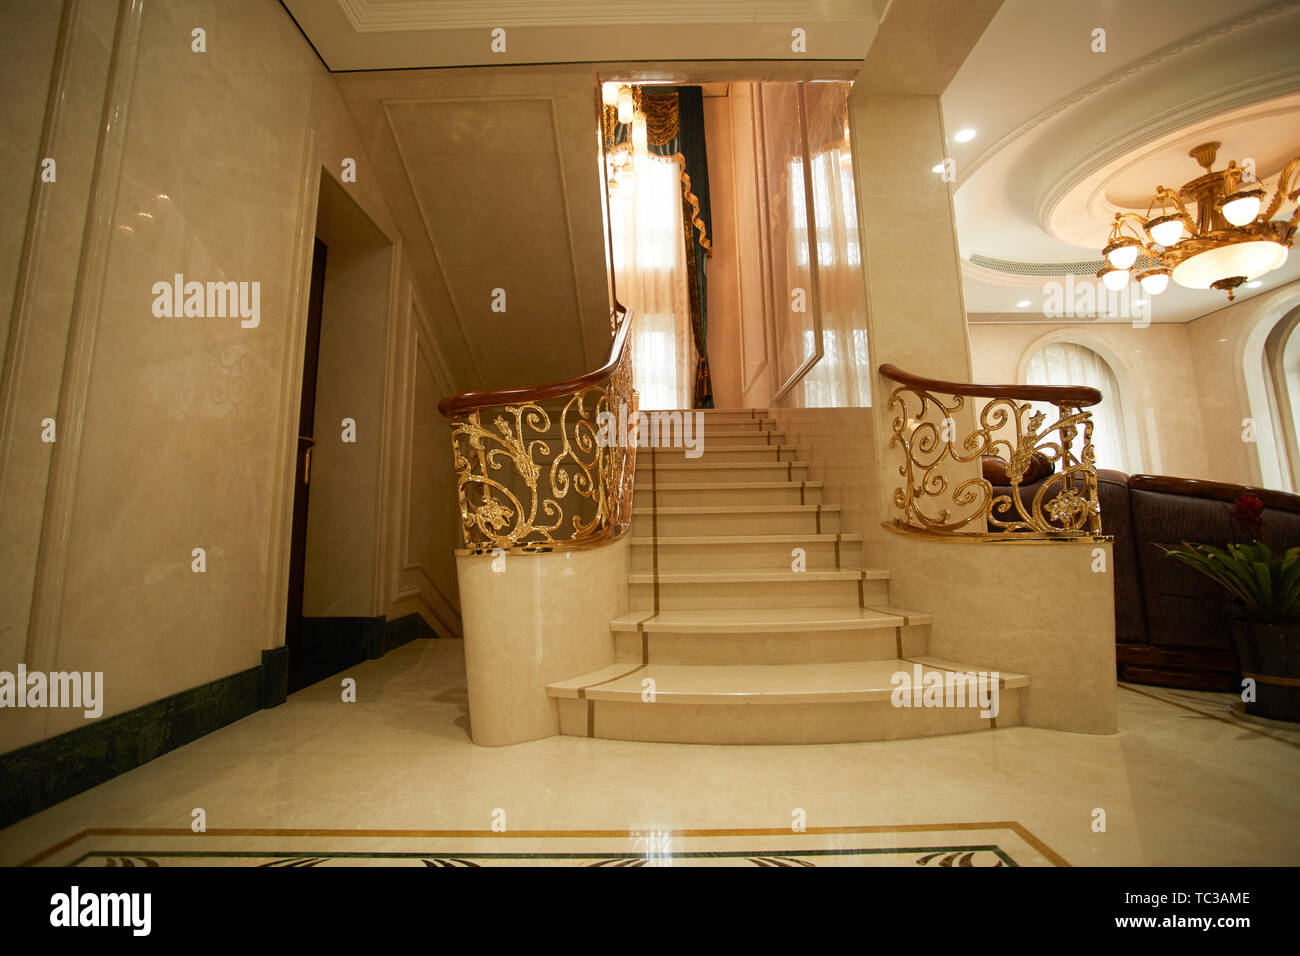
<point>370,16</point>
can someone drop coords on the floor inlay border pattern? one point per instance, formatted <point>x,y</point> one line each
<point>992,844</point>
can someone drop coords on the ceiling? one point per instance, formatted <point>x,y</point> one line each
<point>408,34</point>
<point>1065,136</point>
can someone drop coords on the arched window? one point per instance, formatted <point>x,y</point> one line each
<point>1065,363</point>
<point>1282,373</point>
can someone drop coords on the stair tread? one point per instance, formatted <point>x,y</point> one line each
<point>758,576</point>
<point>730,509</point>
<point>756,446</point>
<point>853,681</point>
<point>738,485</point>
<point>744,433</point>
<point>711,411</point>
<point>642,459</point>
<point>825,537</point>
<point>757,619</point>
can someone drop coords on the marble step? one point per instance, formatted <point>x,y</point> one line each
<point>766,620</point>
<point>735,519</point>
<point>771,703</point>
<point>675,470</point>
<point>719,414</point>
<point>738,552</point>
<point>712,588</point>
<point>749,452</point>
<point>723,436</point>
<point>685,493</point>
<point>770,636</point>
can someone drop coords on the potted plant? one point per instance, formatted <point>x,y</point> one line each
<point>1267,631</point>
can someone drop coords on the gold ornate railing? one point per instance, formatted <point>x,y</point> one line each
<point>937,451</point>
<point>543,468</point>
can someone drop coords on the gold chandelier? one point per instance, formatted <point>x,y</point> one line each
<point>1228,242</point>
<point>623,105</point>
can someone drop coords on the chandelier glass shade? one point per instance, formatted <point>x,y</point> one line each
<point>1215,232</point>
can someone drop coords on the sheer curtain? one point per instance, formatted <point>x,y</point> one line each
<point>1064,363</point>
<point>843,376</point>
<point>645,211</point>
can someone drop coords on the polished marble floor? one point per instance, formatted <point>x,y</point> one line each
<point>394,779</point>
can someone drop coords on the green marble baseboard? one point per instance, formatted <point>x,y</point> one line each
<point>50,771</point>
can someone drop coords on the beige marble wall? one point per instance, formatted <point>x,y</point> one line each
<point>531,619</point>
<point>1226,349</point>
<point>1154,370</point>
<point>1036,608</point>
<point>30,31</point>
<point>50,271</point>
<point>177,433</point>
<point>916,315</point>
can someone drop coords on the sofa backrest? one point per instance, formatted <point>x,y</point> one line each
<point>1183,607</point>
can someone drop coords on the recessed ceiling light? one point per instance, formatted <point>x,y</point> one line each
<point>1254,285</point>
<point>964,135</point>
<point>937,168</point>
<point>1022,304</point>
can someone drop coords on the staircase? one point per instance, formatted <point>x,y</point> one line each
<point>726,643</point>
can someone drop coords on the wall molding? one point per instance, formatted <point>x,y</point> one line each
<point>92,270</point>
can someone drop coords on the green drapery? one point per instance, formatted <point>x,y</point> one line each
<point>675,130</point>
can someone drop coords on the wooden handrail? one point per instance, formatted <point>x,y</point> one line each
<point>464,402</point>
<point>1076,395</point>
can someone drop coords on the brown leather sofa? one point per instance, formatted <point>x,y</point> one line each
<point>1173,626</point>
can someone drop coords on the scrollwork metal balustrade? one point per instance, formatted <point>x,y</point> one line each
<point>541,468</point>
<point>924,415</point>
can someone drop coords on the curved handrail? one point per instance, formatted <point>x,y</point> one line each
<point>467,401</point>
<point>541,475</point>
<point>1076,395</point>
<point>943,489</point>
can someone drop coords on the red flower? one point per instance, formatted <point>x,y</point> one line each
<point>1248,512</point>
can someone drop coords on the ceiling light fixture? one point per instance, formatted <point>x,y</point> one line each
<point>1229,242</point>
<point>964,135</point>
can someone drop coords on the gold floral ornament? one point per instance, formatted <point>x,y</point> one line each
<point>545,475</point>
<point>924,430</point>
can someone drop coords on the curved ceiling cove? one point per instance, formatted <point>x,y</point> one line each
<point>1097,133</point>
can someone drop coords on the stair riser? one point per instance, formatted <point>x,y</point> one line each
<point>700,471</point>
<point>781,522</point>
<point>790,495</point>
<point>819,556</point>
<point>792,593</point>
<point>707,452</point>
<point>773,723</point>
<point>809,647</point>
<point>713,417</point>
<point>711,439</point>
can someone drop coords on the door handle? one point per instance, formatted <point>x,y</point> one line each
<point>306,465</point>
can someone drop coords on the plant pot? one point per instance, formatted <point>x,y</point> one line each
<point>1270,653</point>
